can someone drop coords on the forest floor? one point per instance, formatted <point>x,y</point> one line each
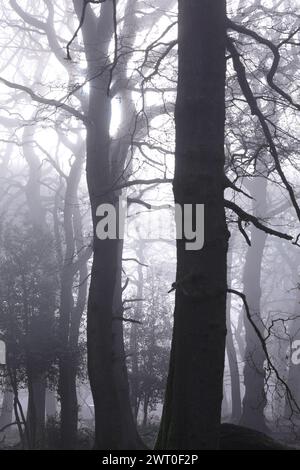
<point>233,437</point>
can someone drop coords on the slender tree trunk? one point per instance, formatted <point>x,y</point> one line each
<point>293,379</point>
<point>69,405</point>
<point>234,374</point>
<point>129,436</point>
<point>36,411</point>
<point>114,428</point>
<point>254,401</point>
<point>134,371</point>
<point>236,403</point>
<point>7,407</point>
<point>134,349</point>
<point>145,409</point>
<point>70,313</point>
<point>35,366</point>
<point>103,277</point>
<point>192,410</point>
<point>67,367</point>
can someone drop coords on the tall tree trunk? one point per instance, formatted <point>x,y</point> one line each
<point>254,401</point>
<point>293,379</point>
<point>129,436</point>
<point>103,276</point>
<point>145,409</point>
<point>114,428</point>
<point>192,410</point>
<point>134,370</point>
<point>134,349</point>
<point>6,407</point>
<point>236,403</point>
<point>35,364</point>
<point>67,368</point>
<point>69,405</point>
<point>36,411</point>
<point>70,314</point>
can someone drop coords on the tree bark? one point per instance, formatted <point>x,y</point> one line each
<point>128,437</point>
<point>254,400</point>
<point>293,379</point>
<point>70,313</point>
<point>114,425</point>
<point>191,416</point>
<point>7,407</point>
<point>36,410</point>
<point>35,368</point>
<point>236,403</point>
<point>145,409</point>
<point>134,348</point>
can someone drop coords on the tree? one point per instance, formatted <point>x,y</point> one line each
<point>107,171</point>
<point>27,318</point>
<point>254,400</point>
<point>107,79</point>
<point>191,415</point>
<point>104,74</point>
<point>230,347</point>
<point>149,339</point>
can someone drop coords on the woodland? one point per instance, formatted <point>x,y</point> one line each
<point>135,341</point>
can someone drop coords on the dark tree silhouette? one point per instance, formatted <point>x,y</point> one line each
<point>191,415</point>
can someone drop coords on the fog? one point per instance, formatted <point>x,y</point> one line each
<point>112,130</point>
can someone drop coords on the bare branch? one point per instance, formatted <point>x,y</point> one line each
<point>275,50</point>
<point>254,220</point>
<point>246,89</point>
<point>130,320</point>
<point>49,102</point>
<point>262,340</point>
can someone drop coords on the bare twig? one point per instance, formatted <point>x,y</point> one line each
<point>243,215</point>
<point>49,102</point>
<point>262,340</point>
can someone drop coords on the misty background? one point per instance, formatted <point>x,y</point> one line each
<point>101,78</point>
